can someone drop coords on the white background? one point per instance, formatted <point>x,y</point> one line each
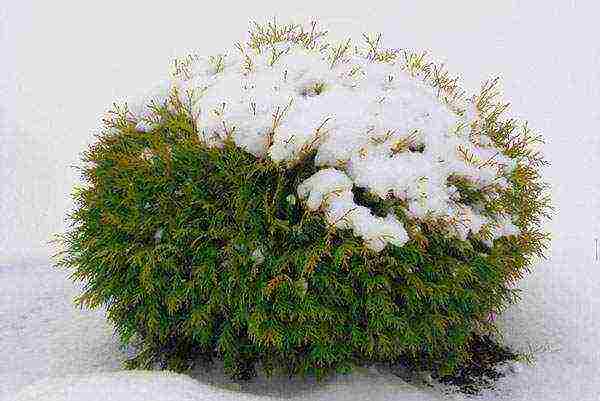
<point>62,63</point>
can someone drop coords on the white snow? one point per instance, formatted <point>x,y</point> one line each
<point>333,188</point>
<point>258,256</point>
<point>63,64</point>
<point>355,113</point>
<point>130,386</point>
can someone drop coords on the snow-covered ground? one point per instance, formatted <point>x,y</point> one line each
<point>63,63</point>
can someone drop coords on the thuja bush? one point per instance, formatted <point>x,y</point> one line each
<point>254,210</point>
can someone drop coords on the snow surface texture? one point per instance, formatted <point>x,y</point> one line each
<point>364,118</point>
<point>130,386</point>
<point>54,352</point>
<point>549,60</point>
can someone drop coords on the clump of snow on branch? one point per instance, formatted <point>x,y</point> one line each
<point>373,125</point>
<point>331,189</point>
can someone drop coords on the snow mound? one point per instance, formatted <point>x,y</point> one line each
<point>124,386</point>
<point>373,124</point>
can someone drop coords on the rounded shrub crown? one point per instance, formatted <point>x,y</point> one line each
<point>308,206</point>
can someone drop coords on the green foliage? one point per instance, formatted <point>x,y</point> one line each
<point>201,252</point>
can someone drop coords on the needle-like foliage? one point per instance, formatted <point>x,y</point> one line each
<point>202,252</point>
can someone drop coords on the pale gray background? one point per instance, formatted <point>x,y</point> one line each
<point>62,63</point>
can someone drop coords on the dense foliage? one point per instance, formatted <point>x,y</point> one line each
<point>201,251</point>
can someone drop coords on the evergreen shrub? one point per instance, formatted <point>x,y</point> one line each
<point>201,249</point>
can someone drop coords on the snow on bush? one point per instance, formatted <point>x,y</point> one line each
<point>372,120</point>
<point>307,206</point>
